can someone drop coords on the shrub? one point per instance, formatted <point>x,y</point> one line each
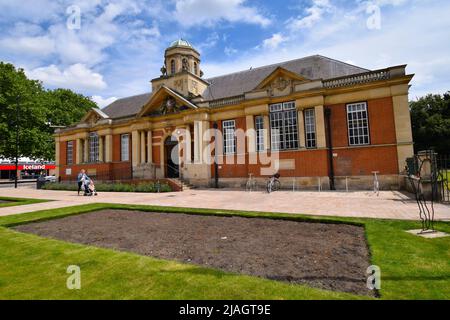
<point>148,187</point>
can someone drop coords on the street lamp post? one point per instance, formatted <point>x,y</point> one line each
<point>216,165</point>
<point>17,140</point>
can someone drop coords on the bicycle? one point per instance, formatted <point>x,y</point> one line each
<point>251,183</point>
<point>274,183</point>
<point>376,183</point>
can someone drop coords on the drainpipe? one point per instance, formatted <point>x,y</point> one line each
<point>216,165</point>
<point>330,149</point>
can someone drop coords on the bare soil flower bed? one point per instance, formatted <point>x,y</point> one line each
<point>327,256</point>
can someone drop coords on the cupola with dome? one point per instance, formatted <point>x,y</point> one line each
<point>181,56</point>
<point>181,70</point>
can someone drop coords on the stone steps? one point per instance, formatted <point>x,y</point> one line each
<point>184,185</point>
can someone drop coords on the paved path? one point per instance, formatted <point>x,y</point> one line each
<point>389,205</point>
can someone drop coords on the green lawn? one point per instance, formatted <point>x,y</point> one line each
<point>32,267</point>
<point>18,201</point>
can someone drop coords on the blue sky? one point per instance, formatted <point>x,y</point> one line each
<point>120,44</point>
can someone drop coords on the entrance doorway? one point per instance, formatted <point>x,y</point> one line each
<point>171,156</point>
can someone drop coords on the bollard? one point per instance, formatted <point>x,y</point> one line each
<point>346,184</point>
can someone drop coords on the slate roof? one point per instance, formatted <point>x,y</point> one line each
<point>313,68</point>
<point>126,107</point>
<point>234,84</point>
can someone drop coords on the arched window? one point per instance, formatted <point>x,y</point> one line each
<point>172,67</point>
<point>195,68</point>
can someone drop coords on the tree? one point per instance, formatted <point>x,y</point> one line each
<point>430,116</point>
<point>64,107</point>
<point>37,107</point>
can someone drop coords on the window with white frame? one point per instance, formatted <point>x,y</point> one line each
<point>125,147</point>
<point>69,152</point>
<point>93,147</point>
<point>358,124</point>
<point>283,126</point>
<point>310,128</point>
<point>229,136</point>
<point>259,128</point>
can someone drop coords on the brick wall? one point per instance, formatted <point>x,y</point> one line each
<point>98,171</point>
<point>308,163</point>
<point>381,122</point>
<point>63,152</point>
<point>364,160</point>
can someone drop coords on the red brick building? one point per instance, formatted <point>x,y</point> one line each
<point>314,120</point>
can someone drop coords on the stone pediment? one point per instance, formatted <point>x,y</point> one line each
<point>166,101</point>
<point>280,82</point>
<point>93,117</point>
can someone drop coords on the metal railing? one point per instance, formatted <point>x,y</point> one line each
<point>443,176</point>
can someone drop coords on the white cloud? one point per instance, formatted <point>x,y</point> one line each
<point>26,29</point>
<point>387,2</point>
<point>150,32</point>
<point>313,15</point>
<point>342,34</point>
<point>32,10</point>
<point>42,45</point>
<point>210,42</point>
<point>229,51</point>
<point>209,12</point>
<point>103,102</point>
<point>76,77</point>
<point>124,40</point>
<point>274,41</point>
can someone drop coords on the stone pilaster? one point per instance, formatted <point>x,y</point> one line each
<point>135,148</point>
<point>101,155</point>
<point>250,133</point>
<point>86,150</point>
<point>79,151</point>
<point>108,148</point>
<point>149,147</point>
<point>143,146</point>
<point>320,127</point>
<point>403,129</point>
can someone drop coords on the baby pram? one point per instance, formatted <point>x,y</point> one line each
<point>88,187</point>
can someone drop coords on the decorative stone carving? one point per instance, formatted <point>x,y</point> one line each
<point>169,105</point>
<point>93,119</point>
<point>280,86</point>
<point>194,87</point>
<point>179,85</point>
<point>164,70</point>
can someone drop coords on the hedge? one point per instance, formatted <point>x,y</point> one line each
<point>148,187</point>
